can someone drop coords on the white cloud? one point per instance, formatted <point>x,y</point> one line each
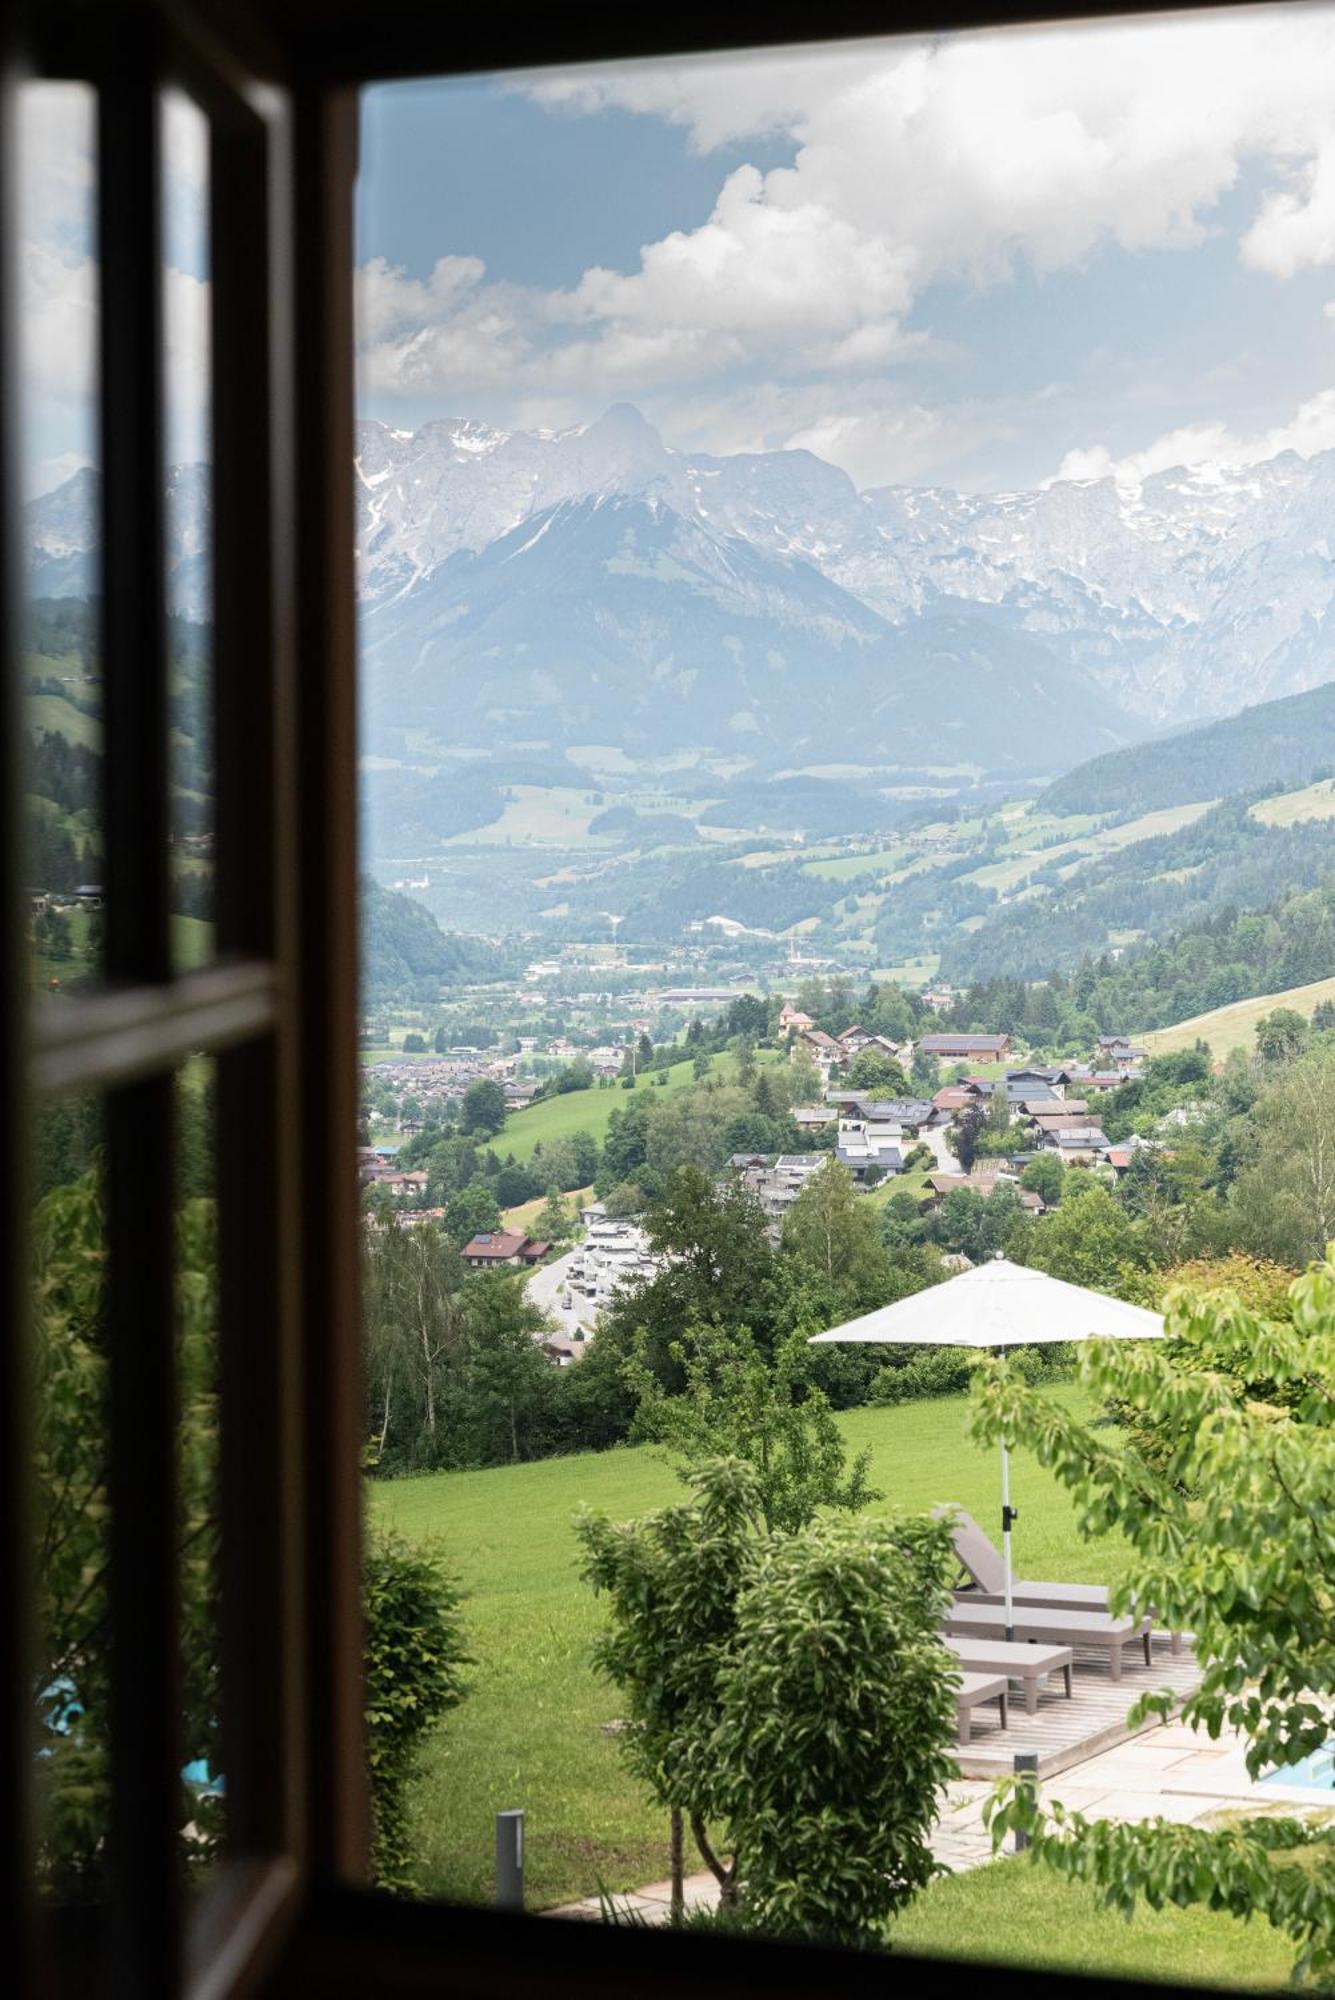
<point>1309,430</point>
<point>914,163</point>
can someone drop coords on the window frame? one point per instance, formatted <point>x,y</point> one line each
<point>278,1010</point>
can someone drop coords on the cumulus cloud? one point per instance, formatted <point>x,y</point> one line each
<point>1310,429</point>
<point>914,163</point>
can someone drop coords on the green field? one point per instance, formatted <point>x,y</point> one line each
<point>846,866</point>
<point>589,1110</point>
<point>1234,1027</point>
<point>1012,1913</point>
<point>52,713</point>
<point>532,1732</point>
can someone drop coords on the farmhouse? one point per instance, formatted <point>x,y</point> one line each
<point>966,1048</point>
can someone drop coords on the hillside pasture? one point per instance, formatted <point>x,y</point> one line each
<point>1315,801</point>
<point>1234,1027</point>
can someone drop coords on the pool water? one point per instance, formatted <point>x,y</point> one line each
<point>1314,1773</point>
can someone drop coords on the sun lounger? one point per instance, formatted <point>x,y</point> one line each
<point>981,1562</point>
<point>972,1692</point>
<point>1029,1664</point>
<point>1093,1629</point>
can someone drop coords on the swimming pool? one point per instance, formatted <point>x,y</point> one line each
<point>1314,1773</point>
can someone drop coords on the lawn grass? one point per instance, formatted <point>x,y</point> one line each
<point>1012,1912</point>
<point>589,1110</point>
<point>532,1731</point>
<point>1234,1027</point>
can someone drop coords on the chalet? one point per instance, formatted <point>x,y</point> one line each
<point>966,1048</point>
<point>823,1050</point>
<point>1067,1119</point>
<point>1079,1145</point>
<point>493,1249</point>
<point>985,1184</point>
<point>910,1113</point>
<point>812,1117</point>
<point>792,1020</point>
<point>406,1186</point>
<point>1116,1052</point>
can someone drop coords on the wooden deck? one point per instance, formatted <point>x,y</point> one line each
<point>1067,1732</point>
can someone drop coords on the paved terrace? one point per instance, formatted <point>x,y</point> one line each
<point>1089,1758</point>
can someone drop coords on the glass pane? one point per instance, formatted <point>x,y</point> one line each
<point>57,452</point>
<point>70,1689</point>
<point>189,525</point>
<point>203,1778</point>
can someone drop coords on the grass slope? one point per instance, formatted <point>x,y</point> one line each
<point>589,1110</point>
<point>532,1732</point>
<point>526,1213</point>
<point>1233,1027</point>
<point>1288,808</point>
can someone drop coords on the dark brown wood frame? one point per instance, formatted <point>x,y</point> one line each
<point>278,1011</point>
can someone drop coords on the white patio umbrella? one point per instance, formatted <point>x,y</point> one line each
<point>999,1304</point>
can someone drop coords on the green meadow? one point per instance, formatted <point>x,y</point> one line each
<point>536,1729</point>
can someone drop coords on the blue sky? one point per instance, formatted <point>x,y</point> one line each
<point>978,262</point>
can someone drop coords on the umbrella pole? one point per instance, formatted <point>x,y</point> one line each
<point>1006,1518</point>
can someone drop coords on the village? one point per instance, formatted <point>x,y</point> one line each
<point>1051,1110</point>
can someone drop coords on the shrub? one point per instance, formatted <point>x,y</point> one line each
<point>415,1656</point>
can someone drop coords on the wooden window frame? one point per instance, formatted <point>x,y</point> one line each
<point>278,1011</point>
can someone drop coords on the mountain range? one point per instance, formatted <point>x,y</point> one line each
<point>595,587</point>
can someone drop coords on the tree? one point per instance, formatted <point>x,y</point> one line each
<point>1285,1203</point>
<point>837,1725</point>
<point>876,1069</point>
<point>1090,1240</point>
<point>414,1045</point>
<point>672,1582</point>
<point>1281,1035</point>
<point>965,1134</point>
<point>766,1413</point>
<point>838,1233</point>
<point>721,1639</point>
<point>413,1332</point>
<point>504,1406</point>
<point>1232,1538</point>
<point>1045,1176</point>
<point>471,1212</point>
<point>554,1221</point>
<point>483,1107</point>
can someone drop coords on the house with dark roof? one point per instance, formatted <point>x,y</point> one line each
<point>494,1249</point>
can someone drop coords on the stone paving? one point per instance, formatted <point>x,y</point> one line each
<point>1169,1772</point>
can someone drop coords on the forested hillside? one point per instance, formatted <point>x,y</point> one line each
<point>1277,745</point>
<point>1231,955</point>
<point>402,945</point>
<point>1147,893</point>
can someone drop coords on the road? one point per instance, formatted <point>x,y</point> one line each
<point>544,1288</point>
